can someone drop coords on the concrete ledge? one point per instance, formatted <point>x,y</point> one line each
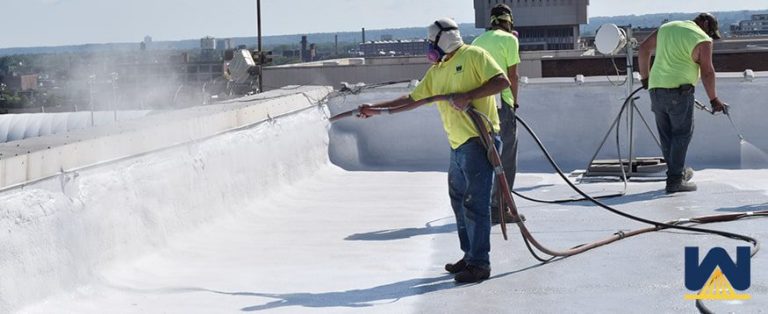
<point>571,120</point>
<point>37,158</point>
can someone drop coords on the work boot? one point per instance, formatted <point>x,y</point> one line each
<point>679,185</point>
<point>456,267</point>
<point>473,274</point>
<point>687,174</point>
<point>508,218</point>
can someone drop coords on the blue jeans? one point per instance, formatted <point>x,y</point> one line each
<point>674,119</point>
<point>470,178</point>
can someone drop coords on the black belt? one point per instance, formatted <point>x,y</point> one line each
<point>681,88</point>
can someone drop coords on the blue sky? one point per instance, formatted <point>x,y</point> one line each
<point>26,23</point>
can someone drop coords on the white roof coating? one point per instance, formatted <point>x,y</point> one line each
<point>295,215</point>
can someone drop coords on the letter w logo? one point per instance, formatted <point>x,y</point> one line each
<point>738,274</point>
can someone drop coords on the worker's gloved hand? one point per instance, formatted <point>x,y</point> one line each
<point>517,105</point>
<point>644,82</point>
<point>460,101</point>
<point>365,111</point>
<point>718,106</point>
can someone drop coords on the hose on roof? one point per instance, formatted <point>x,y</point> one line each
<point>686,224</point>
<point>508,203</point>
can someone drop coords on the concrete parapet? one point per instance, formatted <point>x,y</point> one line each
<point>75,204</point>
<point>570,117</point>
<point>36,158</point>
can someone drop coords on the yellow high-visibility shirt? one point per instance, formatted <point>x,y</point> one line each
<point>469,68</point>
<point>674,64</point>
<point>505,50</point>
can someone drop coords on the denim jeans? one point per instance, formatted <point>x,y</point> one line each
<point>674,119</point>
<point>470,178</point>
<point>508,149</point>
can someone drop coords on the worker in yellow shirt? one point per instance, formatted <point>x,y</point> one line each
<point>471,76</point>
<point>683,53</point>
<point>504,47</point>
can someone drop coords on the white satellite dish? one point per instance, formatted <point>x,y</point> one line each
<point>610,39</point>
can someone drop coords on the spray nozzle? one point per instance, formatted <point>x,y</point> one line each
<point>711,108</point>
<point>726,111</point>
<point>701,106</point>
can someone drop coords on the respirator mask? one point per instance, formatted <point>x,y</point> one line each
<point>435,54</point>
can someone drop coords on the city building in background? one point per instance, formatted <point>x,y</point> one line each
<point>405,47</point>
<point>306,54</point>
<point>757,25</point>
<point>208,48</point>
<point>225,44</point>
<point>291,53</point>
<point>169,75</point>
<point>22,82</point>
<point>541,24</point>
<point>311,53</point>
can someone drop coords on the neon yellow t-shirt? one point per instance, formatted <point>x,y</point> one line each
<point>505,50</point>
<point>469,68</point>
<point>674,65</point>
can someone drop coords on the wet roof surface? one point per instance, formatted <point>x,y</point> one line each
<point>377,241</point>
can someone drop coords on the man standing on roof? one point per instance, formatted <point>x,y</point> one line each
<point>471,77</point>
<point>504,48</point>
<point>683,53</point>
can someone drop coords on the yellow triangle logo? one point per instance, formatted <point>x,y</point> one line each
<point>717,288</point>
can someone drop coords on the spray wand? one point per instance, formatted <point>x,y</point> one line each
<point>726,108</point>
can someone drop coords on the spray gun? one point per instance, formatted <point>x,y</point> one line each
<point>726,109</point>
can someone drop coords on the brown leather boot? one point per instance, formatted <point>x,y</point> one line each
<point>508,218</point>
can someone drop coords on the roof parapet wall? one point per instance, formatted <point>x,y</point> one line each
<point>38,158</point>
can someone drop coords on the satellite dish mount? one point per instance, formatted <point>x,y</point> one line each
<point>611,40</point>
